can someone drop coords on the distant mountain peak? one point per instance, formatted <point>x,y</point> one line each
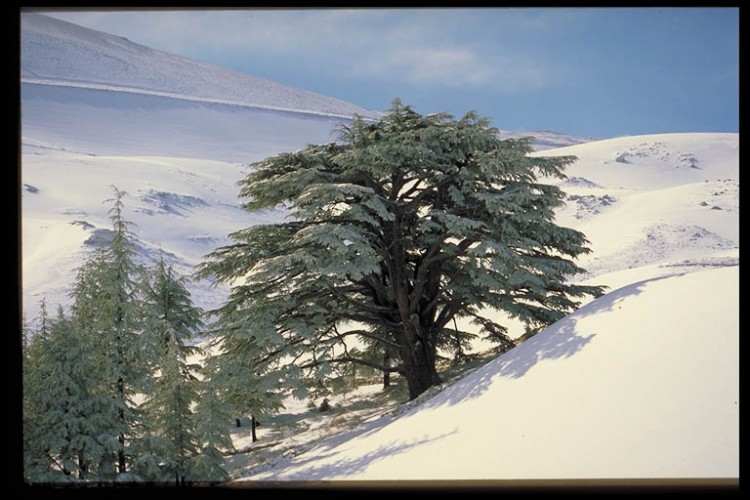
<point>546,139</point>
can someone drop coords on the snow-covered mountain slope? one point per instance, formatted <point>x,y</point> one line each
<point>180,200</point>
<point>545,139</point>
<point>627,387</point>
<point>102,122</point>
<point>98,111</point>
<point>55,52</point>
<point>669,199</point>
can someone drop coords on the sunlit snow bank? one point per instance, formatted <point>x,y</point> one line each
<point>641,383</point>
<point>654,199</point>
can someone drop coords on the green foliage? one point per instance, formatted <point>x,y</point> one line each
<point>61,407</point>
<point>404,226</point>
<point>211,422</point>
<point>168,441</point>
<point>108,308</point>
<point>126,337</point>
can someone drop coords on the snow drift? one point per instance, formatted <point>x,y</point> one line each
<point>628,386</point>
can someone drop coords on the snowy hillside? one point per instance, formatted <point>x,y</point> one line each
<point>668,200</point>
<point>642,382</point>
<point>98,111</point>
<point>55,52</point>
<point>544,139</point>
<point>628,386</point>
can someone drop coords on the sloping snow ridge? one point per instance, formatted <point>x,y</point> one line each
<point>546,139</point>
<point>629,386</point>
<point>642,382</point>
<point>58,52</point>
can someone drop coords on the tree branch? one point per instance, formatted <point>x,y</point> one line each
<point>349,359</point>
<point>368,334</point>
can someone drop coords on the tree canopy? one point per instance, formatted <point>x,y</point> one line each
<point>397,230</point>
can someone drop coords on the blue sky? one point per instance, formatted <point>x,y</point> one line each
<point>595,72</point>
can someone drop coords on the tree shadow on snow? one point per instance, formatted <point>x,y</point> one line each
<point>357,464</point>
<point>563,339</point>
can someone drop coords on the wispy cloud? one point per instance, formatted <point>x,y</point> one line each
<point>450,67</point>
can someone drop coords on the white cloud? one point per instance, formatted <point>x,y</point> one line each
<point>452,67</point>
<point>449,67</point>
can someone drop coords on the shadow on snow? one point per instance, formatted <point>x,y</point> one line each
<point>348,466</point>
<point>563,339</point>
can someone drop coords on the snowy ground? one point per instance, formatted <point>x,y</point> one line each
<point>642,382</point>
<point>629,386</point>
